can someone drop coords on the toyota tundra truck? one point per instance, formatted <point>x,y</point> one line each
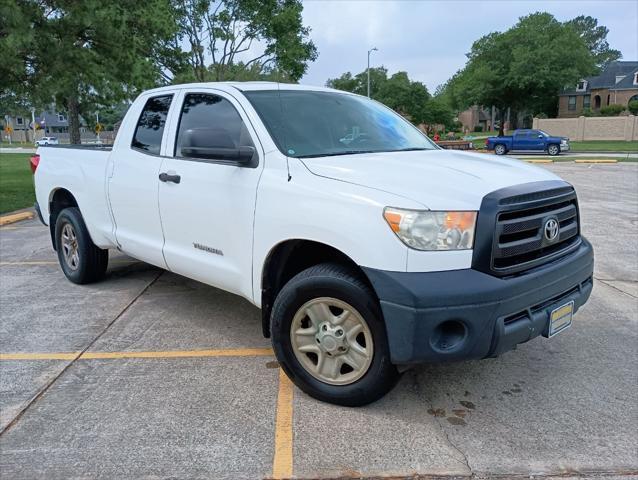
<point>367,248</point>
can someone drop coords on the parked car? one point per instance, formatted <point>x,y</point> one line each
<point>365,255</point>
<point>45,141</point>
<point>528,141</point>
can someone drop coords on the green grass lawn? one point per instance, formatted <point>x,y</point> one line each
<point>16,182</point>
<point>604,146</point>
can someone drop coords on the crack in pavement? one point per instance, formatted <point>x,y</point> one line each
<point>39,395</point>
<point>416,383</point>
<point>606,282</point>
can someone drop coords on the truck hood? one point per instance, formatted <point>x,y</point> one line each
<point>438,179</point>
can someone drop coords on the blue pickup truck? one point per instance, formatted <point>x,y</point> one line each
<point>528,141</point>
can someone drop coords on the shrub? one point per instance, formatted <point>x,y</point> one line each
<point>478,128</point>
<point>588,113</point>
<point>633,107</point>
<point>612,110</point>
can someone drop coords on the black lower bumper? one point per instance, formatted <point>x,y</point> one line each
<point>467,314</point>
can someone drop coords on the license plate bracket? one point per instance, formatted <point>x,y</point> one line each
<point>560,318</point>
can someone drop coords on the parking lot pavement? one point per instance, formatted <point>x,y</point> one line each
<point>148,374</point>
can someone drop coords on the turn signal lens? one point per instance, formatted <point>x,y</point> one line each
<point>428,230</point>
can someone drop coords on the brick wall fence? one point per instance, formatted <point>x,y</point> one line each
<point>26,136</point>
<point>591,128</point>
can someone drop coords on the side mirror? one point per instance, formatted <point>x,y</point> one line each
<point>242,155</point>
<point>215,144</point>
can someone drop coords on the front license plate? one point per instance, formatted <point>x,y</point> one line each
<point>561,318</point>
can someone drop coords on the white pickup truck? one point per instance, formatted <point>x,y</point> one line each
<point>366,246</point>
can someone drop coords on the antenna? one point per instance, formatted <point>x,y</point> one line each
<point>281,108</point>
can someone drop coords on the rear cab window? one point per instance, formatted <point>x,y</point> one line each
<point>150,126</point>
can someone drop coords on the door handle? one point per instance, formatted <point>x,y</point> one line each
<point>165,177</point>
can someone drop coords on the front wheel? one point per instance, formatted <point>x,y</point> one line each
<point>553,150</point>
<point>329,337</point>
<point>81,260</point>
<point>500,149</point>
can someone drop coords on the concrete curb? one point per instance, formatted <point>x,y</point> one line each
<point>16,217</point>
<point>594,160</point>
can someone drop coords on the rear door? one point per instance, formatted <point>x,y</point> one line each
<point>208,216</point>
<point>133,181</point>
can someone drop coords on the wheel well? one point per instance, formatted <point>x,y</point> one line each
<point>290,258</point>
<point>60,200</point>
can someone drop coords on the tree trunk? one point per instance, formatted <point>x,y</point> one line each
<point>502,123</point>
<point>74,121</point>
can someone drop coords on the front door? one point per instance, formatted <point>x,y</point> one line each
<point>207,199</point>
<point>132,183</point>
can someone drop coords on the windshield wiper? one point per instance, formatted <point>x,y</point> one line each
<point>411,149</point>
<point>334,154</point>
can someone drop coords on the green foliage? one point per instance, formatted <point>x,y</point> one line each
<point>525,67</point>
<point>89,53</point>
<point>612,110</point>
<point>407,97</point>
<point>595,38</point>
<point>633,107</point>
<point>478,128</point>
<point>219,33</point>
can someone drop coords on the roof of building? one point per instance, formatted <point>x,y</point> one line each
<point>607,78</point>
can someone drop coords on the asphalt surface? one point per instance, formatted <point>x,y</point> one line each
<point>205,399</point>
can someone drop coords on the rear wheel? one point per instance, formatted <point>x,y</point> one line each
<point>329,337</point>
<point>81,260</point>
<point>500,149</point>
<point>553,149</point>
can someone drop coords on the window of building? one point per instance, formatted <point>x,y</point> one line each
<point>587,102</point>
<point>636,78</point>
<point>581,86</point>
<point>210,121</point>
<point>150,126</point>
<point>61,117</point>
<point>19,121</point>
<point>571,103</point>
<point>608,99</point>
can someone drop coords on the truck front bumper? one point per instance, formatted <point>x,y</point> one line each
<point>466,314</point>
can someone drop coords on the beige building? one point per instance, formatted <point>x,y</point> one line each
<point>617,84</point>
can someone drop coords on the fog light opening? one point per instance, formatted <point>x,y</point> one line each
<point>448,336</point>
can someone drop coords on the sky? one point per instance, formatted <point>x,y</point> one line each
<point>429,38</point>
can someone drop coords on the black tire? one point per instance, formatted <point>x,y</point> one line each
<point>500,149</point>
<point>553,149</point>
<point>91,260</point>
<point>336,281</point>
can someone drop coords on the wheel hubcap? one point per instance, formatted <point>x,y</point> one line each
<point>332,341</point>
<point>70,247</point>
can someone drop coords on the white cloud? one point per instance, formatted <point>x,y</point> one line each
<point>429,39</point>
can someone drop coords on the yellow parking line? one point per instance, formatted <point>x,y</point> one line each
<point>229,352</point>
<point>539,160</point>
<point>39,356</point>
<point>282,460</point>
<point>15,217</point>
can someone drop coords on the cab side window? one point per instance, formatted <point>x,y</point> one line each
<point>150,126</point>
<point>209,123</point>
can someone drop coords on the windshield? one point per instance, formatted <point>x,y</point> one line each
<point>316,124</point>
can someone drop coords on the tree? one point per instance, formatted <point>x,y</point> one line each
<point>88,53</point>
<point>595,38</point>
<point>524,67</point>
<point>220,33</point>
<point>409,98</point>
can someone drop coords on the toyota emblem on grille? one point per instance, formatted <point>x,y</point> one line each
<point>551,229</point>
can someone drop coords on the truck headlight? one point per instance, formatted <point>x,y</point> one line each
<point>428,230</point>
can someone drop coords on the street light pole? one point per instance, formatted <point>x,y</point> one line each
<point>373,49</point>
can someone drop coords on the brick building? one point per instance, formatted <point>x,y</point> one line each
<point>617,84</point>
